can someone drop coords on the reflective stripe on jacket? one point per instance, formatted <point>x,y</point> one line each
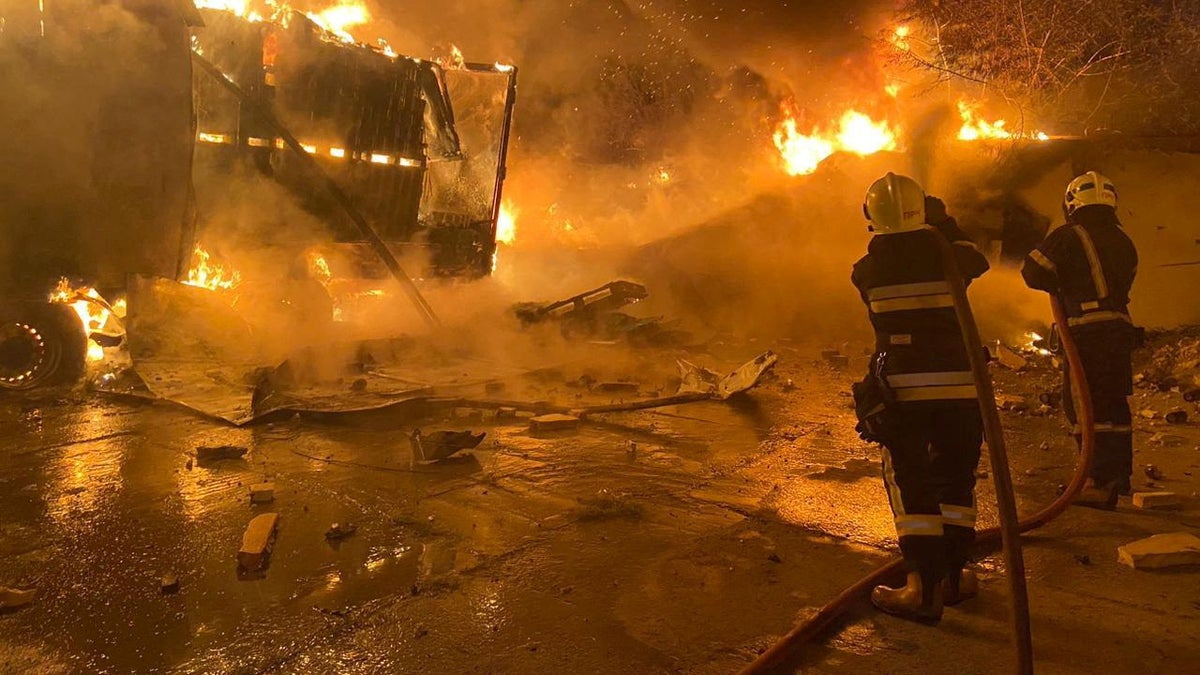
<point>1090,264</point>
<point>903,284</point>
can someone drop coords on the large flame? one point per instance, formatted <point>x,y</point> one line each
<point>856,133</point>
<point>506,224</point>
<point>977,128</point>
<point>206,274</point>
<point>339,18</point>
<point>91,308</point>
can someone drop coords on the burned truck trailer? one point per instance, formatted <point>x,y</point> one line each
<point>418,148</point>
<point>112,120</point>
<point>95,170</point>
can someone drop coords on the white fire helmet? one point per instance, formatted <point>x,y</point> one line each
<point>895,204</point>
<point>1089,189</point>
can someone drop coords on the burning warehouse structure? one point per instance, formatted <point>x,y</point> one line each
<point>400,157</point>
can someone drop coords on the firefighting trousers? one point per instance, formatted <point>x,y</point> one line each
<point>1106,352</point>
<point>929,470</point>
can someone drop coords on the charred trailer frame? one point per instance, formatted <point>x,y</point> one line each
<point>382,126</point>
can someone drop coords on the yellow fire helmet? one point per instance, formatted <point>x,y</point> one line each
<point>895,204</point>
<point>1087,190</point>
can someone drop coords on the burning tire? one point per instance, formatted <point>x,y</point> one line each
<point>41,344</point>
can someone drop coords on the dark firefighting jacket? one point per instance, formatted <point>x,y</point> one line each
<point>1090,264</point>
<point>918,343</point>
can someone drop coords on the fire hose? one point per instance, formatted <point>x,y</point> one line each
<point>789,646</point>
<point>372,237</point>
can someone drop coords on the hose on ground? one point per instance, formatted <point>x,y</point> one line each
<point>789,647</point>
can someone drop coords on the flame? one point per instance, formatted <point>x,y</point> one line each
<point>318,266</point>
<point>900,37</point>
<point>976,128</point>
<point>90,307</point>
<point>341,17</point>
<point>457,60</point>
<point>205,274</point>
<point>1033,342</point>
<point>506,224</point>
<point>856,133</point>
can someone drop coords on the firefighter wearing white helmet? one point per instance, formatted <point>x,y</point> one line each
<point>919,399</point>
<point>1089,264</point>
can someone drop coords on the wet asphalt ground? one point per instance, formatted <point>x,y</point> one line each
<point>680,540</point>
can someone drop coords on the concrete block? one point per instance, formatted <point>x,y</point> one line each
<point>1010,359</point>
<point>1155,500</point>
<point>262,493</point>
<point>1161,550</point>
<point>553,422</point>
<point>216,453</point>
<point>257,541</point>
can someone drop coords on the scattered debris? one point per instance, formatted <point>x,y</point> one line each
<point>774,557</point>
<point>1154,473</point>
<point>11,598</point>
<point>553,422</point>
<point>262,493</point>
<point>359,385</point>
<point>1044,446</point>
<point>493,388</point>
<point>1177,417</point>
<point>1083,559</point>
<point>1041,411</point>
<point>789,385</point>
<point>1155,500</point>
<point>631,449</point>
<point>1009,358</point>
<point>1148,414</point>
<point>217,453</point>
<point>439,445</point>
<point>1192,395</point>
<point>1160,551</point>
<point>169,584</point>
<point>257,542</point>
<point>340,531</point>
<point>189,464</point>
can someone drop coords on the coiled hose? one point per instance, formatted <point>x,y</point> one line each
<point>789,646</point>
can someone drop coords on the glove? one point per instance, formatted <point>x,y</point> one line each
<point>935,211</point>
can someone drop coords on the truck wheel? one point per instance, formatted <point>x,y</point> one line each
<point>41,344</point>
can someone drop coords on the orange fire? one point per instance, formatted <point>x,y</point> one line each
<point>94,313</point>
<point>506,224</point>
<point>976,128</point>
<point>205,274</point>
<point>339,18</point>
<point>856,133</point>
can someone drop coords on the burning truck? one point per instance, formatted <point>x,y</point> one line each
<point>118,103</point>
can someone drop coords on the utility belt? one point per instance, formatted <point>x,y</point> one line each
<point>875,404</point>
<point>879,399</point>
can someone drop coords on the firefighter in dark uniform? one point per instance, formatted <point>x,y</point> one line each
<point>1089,264</point>
<point>928,420</point>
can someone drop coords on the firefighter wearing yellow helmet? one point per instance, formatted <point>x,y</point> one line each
<point>919,399</point>
<point>1089,264</point>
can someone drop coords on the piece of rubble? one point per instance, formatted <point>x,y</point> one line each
<point>506,413</point>
<point>1167,440</point>
<point>1177,417</point>
<point>11,598</point>
<point>554,422</point>
<point>1160,551</point>
<point>169,584</point>
<point>1147,413</point>
<point>1009,358</point>
<point>1011,403</point>
<point>262,493</point>
<point>439,445</point>
<point>1154,473</point>
<point>1155,500</point>
<point>1192,395</point>
<point>359,385</point>
<point>216,453</point>
<point>469,414</point>
<point>257,542</point>
<point>1050,398</point>
<point>340,531</point>
<point>835,358</point>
